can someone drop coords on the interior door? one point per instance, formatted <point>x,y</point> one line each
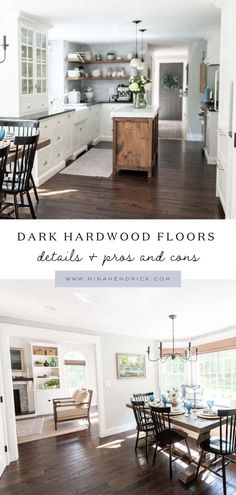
<point>170,100</point>
<point>3,459</point>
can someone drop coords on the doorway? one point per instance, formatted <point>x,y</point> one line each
<point>170,99</point>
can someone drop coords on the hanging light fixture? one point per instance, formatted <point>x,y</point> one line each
<point>186,356</point>
<point>136,60</point>
<point>141,64</point>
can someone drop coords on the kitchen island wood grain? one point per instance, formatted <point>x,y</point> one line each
<point>135,139</point>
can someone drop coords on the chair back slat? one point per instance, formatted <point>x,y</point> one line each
<point>20,127</point>
<point>227,430</point>
<point>3,161</point>
<point>161,418</point>
<point>17,178</point>
<point>140,414</point>
<point>142,396</point>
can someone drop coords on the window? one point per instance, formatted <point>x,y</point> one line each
<point>173,374</point>
<point>217,375</point>
<point>75,372</point>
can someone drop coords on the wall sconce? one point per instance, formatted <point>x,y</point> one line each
<point>4,45</point>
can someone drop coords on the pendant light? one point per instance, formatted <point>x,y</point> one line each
<point>185,356</point>
<point>141,64</point>
<point>136,60</point>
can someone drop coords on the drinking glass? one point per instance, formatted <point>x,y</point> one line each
<point>210,403</point>
<point>2,134</point>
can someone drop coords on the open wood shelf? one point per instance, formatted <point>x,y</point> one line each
<point>101,78</point>
<point>114,61</point>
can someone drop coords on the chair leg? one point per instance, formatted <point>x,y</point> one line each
<point>188,449</point>
<point>146,446</point>
<point>170,461</point>
<point>30,205</point>
<point>224,475</point>
<point>199,464</point>
<point>34,188</point>
<point>137,439</point>
<point>16,206</point>
<point>154,456</point>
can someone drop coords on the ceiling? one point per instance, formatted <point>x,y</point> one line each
<point>201,307</point>
<point>166,20</point>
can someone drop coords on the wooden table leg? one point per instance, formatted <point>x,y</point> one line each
<point>188,474</point>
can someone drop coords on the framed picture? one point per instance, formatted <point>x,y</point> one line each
<point>17,359</point>
<point>131,365</point>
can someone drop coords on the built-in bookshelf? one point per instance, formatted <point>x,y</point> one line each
<point>45,367</point>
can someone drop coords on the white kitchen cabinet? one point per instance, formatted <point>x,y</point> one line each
<point>106,120</point>
<point>94,123</point>
<point>213,48</point>
<point>52,158</point>
<point>33,46</point>
<point>211,137</point>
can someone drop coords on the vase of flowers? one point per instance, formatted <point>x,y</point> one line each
<point>173,396</point>
<point>139,85</point>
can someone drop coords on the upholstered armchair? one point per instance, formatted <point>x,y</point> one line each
<point>75,407</point>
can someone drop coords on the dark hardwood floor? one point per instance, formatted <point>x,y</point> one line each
<point>82,464</point>
<point>183,187</point>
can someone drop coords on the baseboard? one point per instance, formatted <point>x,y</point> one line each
<point>105,138</point>
<point>78,151</point>
<point>219,195</point>
<point>193,137</point>
<point>211,160</point>
<point>117,429</point>
<point>54,170</point>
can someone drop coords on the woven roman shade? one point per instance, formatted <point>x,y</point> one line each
<point>74,362</point>
<point>217,346</point>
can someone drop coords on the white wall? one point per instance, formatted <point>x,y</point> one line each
<point>117,392</point>
<point>9,74</point>
<point>194,96</point>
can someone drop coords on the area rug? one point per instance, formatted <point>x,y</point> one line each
<point>94,163</point>
<point>48,429</point>
<point>29,427</point>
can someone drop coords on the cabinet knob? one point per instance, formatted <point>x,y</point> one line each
<point>45,163</point>
<point>58,138</point>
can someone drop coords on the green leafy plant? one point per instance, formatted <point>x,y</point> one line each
<point>171,81</point>
<point>55,382</point>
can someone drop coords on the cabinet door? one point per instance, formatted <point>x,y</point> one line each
<point>44,400</point>
<point>41,63</point>
<point>26,61</point>
<point>67,135</point>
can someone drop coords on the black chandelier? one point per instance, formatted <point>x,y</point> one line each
<point>186,356</point>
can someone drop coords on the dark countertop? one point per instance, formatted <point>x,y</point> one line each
<point>40,115</point>
<point>46,114</point>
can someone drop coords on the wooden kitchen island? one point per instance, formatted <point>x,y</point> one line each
<point>135,138</point>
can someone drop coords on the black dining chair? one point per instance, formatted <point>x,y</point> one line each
<point>17,176</point>
<point>144,423</point>
<point>223,446</point>
<point>167,437</point>
<point>143,396</point>
<point>18,127</point>
<point>3,161</point>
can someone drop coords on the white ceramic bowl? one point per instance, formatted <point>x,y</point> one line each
<point>73,73</point>
<point>96,73</point>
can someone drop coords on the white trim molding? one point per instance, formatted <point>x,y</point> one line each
<point>115,430</point>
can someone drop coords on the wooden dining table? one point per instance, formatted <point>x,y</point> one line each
<point>201,427</point>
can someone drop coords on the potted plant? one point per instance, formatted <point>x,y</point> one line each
<point>139,85</point>
<point>53,383</point>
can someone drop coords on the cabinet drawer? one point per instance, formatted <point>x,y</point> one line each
<point>44,159</point>
<point>57,137</point>
<point>27,107</point>
<point>45,128</point>
<point>57,154</point>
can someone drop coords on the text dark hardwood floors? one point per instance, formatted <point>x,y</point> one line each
<point>183,187</point>
<point>82,464</point>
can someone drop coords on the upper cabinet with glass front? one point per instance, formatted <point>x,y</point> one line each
<point>33,68</point>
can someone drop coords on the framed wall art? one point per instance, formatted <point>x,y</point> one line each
<point>131,365</point>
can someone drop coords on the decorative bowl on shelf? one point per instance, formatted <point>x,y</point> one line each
<point>110,55</point>
<point>96,73</point>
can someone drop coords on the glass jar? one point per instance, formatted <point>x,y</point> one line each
<point>139,100</point>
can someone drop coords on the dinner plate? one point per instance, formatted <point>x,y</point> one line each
<point>207,416</point>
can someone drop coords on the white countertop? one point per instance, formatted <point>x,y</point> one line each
<point>149,112</point>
